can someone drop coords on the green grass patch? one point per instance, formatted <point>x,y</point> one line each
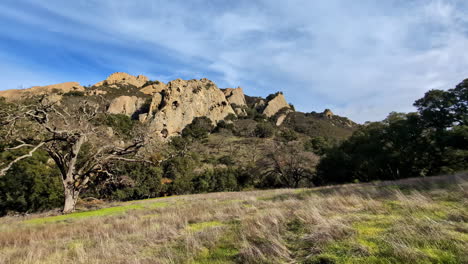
<point>225,251</point>
<point>439,256</point>
<point>197,227</point>
<point>219,255</point>
<point>96,213</point>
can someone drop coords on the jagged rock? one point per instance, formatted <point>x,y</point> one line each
<point>182,101</point>
<point>17,94</point>
<point>156,87</point>
<point>155,102</point>
<point>276,104</point>
<point>328,113</point>
<point>127,105</point>
<point>240,111</point>
<point>281,119</point>
<point>235,96</point>
<point>124,78</point>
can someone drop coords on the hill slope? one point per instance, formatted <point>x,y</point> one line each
<point>414,220</point>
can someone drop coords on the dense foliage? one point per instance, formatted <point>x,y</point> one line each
<point>31,185</point>
<point>432,141</point>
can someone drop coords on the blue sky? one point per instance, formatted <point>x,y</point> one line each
<point>362,59</point>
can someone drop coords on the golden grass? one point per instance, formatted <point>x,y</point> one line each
<point>417,221</point>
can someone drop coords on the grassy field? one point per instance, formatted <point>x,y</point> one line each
<point>409,221</point>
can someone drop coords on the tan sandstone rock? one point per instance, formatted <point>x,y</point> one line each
<point>275,104</point>
<point>155,102</point>
<point>328,113</point>
<point>154,88</point>
<point>124,78</point>
<point>127,105</point>
<point>182,101</point>
<point>281,119</point>
<point>17,94</point>
<point>235,96</point>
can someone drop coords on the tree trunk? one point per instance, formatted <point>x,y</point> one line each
<point>71,197</point>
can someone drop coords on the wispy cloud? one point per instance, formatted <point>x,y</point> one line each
<point>362,59</point>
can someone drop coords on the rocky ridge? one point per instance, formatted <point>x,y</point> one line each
<point>18,94</point>
<point>168,108</point>
<point>124,78</point>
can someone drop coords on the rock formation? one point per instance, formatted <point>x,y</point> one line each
<point>277,103</point>
<point>17,94</point>
<point>281,119</point>
<point>173,105</point>
<point>124,78</point>
<point>182,101</point>
<point>153,88</point>
<point>235,96</point>
<point>127,105</point>
<point>328,113</point>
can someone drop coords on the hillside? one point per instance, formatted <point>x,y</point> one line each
<point>195,136</point>
<point>421,220</point>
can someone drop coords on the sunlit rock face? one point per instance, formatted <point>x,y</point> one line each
<point>275,105</point>
<point>182,101</point>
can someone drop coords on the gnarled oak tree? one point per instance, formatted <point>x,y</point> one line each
<point>72,135</point>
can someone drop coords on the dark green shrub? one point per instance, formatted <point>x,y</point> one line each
<point>219,179</point>
<point>31,185</point>
<point>264,130</point>
<point>74,93</point>
<point>227,160</point>
<point>121,124</point>
<point>131,181</point>
<point>200,128</point>
<point>224,125</point>
<point>230,117</point>
<point>288,135</point>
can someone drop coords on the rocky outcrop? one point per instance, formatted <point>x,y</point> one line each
<point>328,113</point>
<point>121,78</point>
<point>182,101</point>
<point>235,96</point>
<point>155,103</point>
<point>17,94</point>
<point>282,117</point>
<point>274,105</point>
<point>153,88</point>
<point>127,105</point>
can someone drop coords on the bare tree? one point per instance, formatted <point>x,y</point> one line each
<point>288,163</point>
<point>81,147</point>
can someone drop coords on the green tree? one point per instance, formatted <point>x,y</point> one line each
<point>30,185</point>
<point>432,141</point>
<point>199,129</point>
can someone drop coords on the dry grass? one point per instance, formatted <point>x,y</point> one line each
<point>418,221</point>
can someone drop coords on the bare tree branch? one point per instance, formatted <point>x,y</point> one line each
<point>29,154</point>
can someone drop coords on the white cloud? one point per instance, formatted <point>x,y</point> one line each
<point>362,59</point>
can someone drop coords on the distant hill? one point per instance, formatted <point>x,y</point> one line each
<point>170,107</point>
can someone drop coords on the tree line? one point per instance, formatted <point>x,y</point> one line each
<point>431,141</point>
